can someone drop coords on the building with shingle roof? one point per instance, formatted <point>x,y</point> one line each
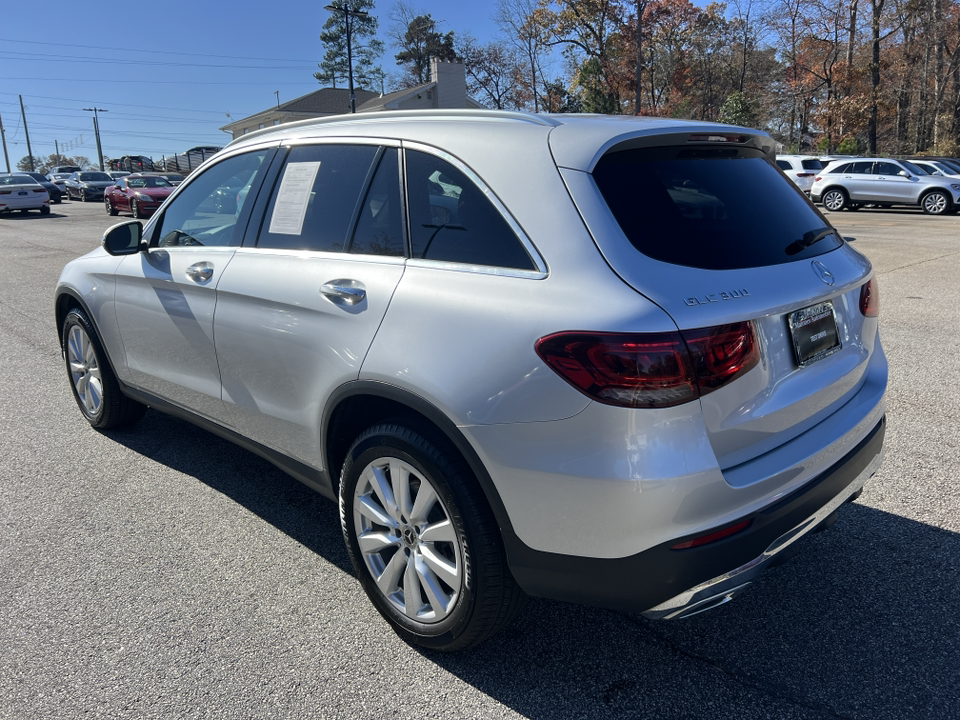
<point>446,89</point>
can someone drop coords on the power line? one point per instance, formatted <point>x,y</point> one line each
<point>152,82</point>
<point>113,49</point>
<point>152,63</point>
<point>149,107</point>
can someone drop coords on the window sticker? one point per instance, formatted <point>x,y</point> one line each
<point>291,206</point>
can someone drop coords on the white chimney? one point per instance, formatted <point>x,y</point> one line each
<point>451,79</point>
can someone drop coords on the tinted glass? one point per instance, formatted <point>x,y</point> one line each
<point>911,167</point>
<point>197,216</point>
<point>859,168</point>
<point>380,225</point>
<point>95,177</point>
<point>887,169</point>
<point>316,197</point>
<point>452,220</point>
<point>812,164</point>
<point>18,180</point>
<point>716,209</point>
<point>784,165</point>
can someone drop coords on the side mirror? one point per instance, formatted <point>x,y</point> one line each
<point>904,173</point>
<point>124,239</point>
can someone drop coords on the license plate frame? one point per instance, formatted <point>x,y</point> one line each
<point>814,333</point>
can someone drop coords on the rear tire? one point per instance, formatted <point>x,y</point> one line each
<point>834,200</point>
<point>423,541</point>
<point>45,210</point>
<point>95,387</point>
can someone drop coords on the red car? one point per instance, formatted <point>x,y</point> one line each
<point>139,194</point>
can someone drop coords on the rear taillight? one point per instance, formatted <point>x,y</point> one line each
<point>39,190</point>
<point>817,179</point>
<point>870,298</point>
<point>804,174</point>
<point>651,370</point>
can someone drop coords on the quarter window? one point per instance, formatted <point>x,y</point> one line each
<point>205,212</point>
<point>316,197</point>
<point>452,220</point>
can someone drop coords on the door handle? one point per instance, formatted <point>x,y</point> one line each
<point>349,292</point>
<point>200,272</point>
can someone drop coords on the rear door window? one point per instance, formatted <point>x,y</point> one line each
<point>711,208</point>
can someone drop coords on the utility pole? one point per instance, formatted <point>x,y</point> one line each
<point>23,114</point>
<point>96,131</point>
<point>3,135</point>
<point>347,12</point>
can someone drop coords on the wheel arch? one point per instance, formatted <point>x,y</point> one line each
<point>358,405</point>
<point>68,299</point>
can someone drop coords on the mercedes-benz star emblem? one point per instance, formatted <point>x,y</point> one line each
<point>820,269</point>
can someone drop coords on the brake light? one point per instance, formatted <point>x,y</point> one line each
<point>39,190</point>
<point>702,137</point>
<point>651,370</point>
<point>804,174</point>
<point>870,298</point>
<point>817,179</point>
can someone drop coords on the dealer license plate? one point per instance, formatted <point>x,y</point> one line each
<point>814,332</point>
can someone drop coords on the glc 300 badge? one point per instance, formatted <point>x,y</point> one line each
<point>716,297</point>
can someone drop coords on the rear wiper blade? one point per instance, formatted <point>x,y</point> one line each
<point>808,239</point>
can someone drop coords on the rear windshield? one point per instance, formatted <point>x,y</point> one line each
<point>812,164</point>
<point>710,208</point>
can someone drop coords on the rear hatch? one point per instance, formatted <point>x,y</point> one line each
<point>706,227</point>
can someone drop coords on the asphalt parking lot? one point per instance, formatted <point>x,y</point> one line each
<point>161,572</point>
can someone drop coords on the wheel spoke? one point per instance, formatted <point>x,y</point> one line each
<point>389,579</point>
<point>446,570</point>
<point>439,532</point>
<point>411,588</point>
<point>400,478</point>
<point>436,595</point>
<point>381,486</point>
<point>426,497</point>
<point>366,506</point>
<point>377,542</point>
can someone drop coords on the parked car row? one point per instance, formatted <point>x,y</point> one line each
<point>850,183</point>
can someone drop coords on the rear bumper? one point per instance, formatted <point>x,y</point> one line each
<point>670,583</point>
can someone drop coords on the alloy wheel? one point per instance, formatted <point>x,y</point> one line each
<point>408,542</point>
<point>85,370</point>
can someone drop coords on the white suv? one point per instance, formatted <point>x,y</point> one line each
<point>802,169</point>
<point>610,360</point>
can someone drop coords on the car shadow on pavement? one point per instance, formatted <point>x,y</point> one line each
<point>863,623</point>
<point>245,478</point>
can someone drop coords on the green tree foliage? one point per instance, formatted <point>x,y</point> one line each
<point>24,165</point>
<point>737,109</point>
<point>419,40</point>
<point>365,47</point>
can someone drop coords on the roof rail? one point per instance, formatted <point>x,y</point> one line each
<point>431,114</point>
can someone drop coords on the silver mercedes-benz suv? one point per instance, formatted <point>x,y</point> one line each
<point>612,360</point>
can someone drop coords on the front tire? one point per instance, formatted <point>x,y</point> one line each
<point>83,196</point>
<point>111,210</point>
<point>936,203</point>
<point>834,200</point>
<point>423,541</point>
<point>95,387</point>
<point>135,209</point>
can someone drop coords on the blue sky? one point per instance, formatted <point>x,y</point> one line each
<point>168,73</point>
